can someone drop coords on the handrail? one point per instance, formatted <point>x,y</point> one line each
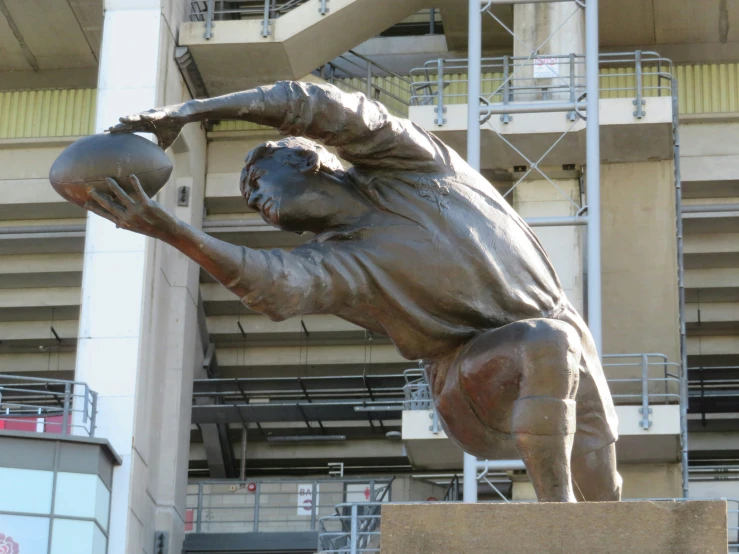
<point>205,11</point>
<point>376,81</point>
<point>256,505</point>
<point>47,405</point>
<point>517,81</point>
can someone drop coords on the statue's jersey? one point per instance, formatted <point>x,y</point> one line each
<point>449,259</point>
<point>452,258</point>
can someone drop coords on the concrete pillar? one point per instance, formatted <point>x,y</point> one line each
<point>138,320</point>
<point>563,244</point>
<point>532,24</point>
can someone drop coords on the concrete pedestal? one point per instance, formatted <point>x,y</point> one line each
<point>606,527</point>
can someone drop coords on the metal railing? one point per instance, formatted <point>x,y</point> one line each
<point>357,527</point>
<point>513,84</point>
<point>210,11</point>
<point>714,390</point>
<point>47,405</point>
<point>639,384</point>
<point>353,72</point>
<point>284,505</point>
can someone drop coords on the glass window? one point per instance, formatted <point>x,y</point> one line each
<point>75,494</point>
<point>69,536</point>
<point>99,542</point>
<point>21,534</point>
<point>102,504</point>
<point>25,490</point>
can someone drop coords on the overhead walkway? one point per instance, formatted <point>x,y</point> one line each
<point>249,43</point>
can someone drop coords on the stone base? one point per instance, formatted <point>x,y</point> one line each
<point>670,527</point>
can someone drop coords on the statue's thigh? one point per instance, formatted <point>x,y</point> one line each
<point>537,357</point>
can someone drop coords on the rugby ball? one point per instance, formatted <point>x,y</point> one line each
<point>85,164</point>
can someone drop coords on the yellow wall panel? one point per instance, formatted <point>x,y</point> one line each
<point>702,89</point>
<point>47,113</point>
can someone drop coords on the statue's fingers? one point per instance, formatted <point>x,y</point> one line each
<point>98,210</point>
<point>108,204</point>
<point>138,190</point>
<point>119,193</point>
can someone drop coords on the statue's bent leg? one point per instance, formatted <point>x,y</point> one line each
<point>595,476</point>
<point>543,419</point>
<point>538,361</point>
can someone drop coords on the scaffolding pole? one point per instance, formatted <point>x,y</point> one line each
<point>592,106</point>
<point>474,76</point>
<point>592,161</point>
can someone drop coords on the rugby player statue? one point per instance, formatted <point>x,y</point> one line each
<point>412,243</point>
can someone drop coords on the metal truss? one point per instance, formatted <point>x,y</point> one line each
<point>480,111</point>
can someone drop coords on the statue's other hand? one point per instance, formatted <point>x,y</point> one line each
<point>135,212</point>
<point>166,123</point>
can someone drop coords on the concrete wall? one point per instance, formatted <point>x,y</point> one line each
<point>563,244</point>
<point>639,253</point>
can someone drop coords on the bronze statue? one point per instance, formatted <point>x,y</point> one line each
<point>414,244</point>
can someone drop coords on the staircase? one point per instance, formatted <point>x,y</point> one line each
<point>238,45</point>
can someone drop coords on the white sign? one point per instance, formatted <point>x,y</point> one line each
<point>305,499</point>
<point>546,68</point>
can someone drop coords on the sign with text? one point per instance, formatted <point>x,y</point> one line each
<point>546,68</point>
<point>306,500</point>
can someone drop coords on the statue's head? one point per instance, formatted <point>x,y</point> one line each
<point>296,185</point>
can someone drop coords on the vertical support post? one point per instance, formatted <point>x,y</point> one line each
<point>65,409</point>
<point>592,140</point>
<point>209,15</point>
<point>265,21</point>
<point>257,499</point>
<point>639,100</point>
<point>681,288</point>
<point>573,86</point>
<point>440,109</point>
<point>645,410</point>
<point>85,402</point>
<point>506,118</point>
<point>199,524</point>
<point>432,22</point>
<point>469,490</point>
<point>474,77</point>
<point>434,428</point>
<point>313,507</point>
<point>369,80</point>
<point>93,411</point>
<point>242,466</point>
<point>354,530</point>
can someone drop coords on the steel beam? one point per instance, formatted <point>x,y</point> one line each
<point>474,79</point>
<point>532,107</point>
<point>592,140</point>
<point>563,221</point>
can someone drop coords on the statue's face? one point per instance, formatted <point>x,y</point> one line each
<point>293,200</point>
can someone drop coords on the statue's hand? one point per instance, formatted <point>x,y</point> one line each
<point>135,212</point>
<point>166,123</point>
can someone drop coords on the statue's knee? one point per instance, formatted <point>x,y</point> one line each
<point>543,415</point>
<point>551,358</point>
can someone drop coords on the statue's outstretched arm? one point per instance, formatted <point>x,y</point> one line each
<point>362,130</point>
<point>276,283</point>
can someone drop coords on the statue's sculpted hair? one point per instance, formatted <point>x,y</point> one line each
<point>291,151</point>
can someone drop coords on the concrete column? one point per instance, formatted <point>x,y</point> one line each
<point>114,271</point>
<point>563,244</point>
<point>138,322</point>
<point>532,24</point>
